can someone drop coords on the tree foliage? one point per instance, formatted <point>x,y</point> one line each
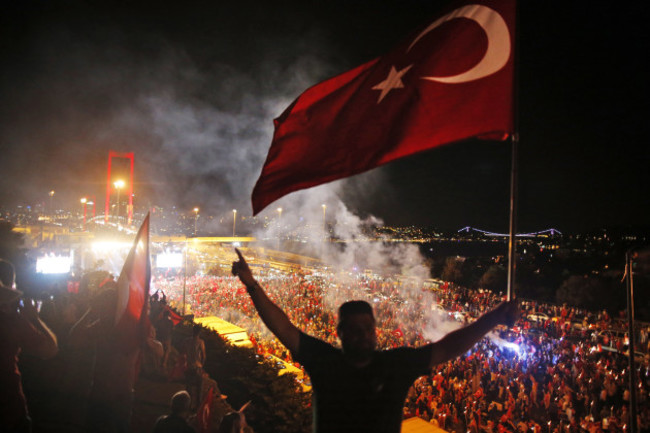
<point>453,270</point>
<point>494,279</point>
<point>592,292</point>
<point>277,402</point>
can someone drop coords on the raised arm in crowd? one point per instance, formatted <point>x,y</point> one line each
<point>358,388</point>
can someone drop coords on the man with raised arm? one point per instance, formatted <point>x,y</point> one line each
<point>358,388</point>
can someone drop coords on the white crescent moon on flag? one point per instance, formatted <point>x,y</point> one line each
<point>498,47</point>
<point>205,415</point>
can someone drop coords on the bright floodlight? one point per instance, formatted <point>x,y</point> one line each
<point>53,264</point>
<point>169,260</point>
<point>119,184</point>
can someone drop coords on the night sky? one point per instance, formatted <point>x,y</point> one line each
<point>192,88</point>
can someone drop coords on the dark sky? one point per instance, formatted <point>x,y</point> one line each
<point>192,88</point>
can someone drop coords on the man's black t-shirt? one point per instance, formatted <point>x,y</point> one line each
<point>368,399</point>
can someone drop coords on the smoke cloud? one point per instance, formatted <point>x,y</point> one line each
<point>199,123</point>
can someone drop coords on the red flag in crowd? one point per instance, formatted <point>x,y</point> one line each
<point>203,415</point>
<point>451,81</point>
<point>133,290</point>
<point>73,286</point>
<point>175,317</point>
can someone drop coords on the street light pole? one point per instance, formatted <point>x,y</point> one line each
<point>84,200</point>
<point>51,194</point>
<point>196,218</point>
<point>234,221</point>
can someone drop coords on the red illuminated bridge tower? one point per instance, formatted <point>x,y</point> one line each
<point>110,188</point>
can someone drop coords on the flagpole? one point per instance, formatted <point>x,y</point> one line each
<point>184,273</point>
<point>512,239</point>
<point>629,270</point>
<point>514,140</point>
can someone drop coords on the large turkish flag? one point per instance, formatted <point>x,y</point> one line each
<point>450,81</point>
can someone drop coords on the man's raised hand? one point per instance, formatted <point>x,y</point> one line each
<point>240,268</point>
<point>508,312</point>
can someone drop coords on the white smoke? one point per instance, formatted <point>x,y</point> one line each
<point>200,130</point>
<point>213,147</point>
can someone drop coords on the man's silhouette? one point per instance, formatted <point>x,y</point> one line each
<point>358,388</point>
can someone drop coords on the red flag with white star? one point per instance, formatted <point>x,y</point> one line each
<point>204,413</point>
<point>131,317</point>
<point>450,81</point>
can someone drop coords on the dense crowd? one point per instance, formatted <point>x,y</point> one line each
<point>559,373</point>
<point>68,366</point>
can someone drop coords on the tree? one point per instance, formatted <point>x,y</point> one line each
<point>453,270</point>
<point>591,292</point>
<point>494,279</point>
<point>278,405</point>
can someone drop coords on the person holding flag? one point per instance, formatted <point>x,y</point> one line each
<point>116,326</point>
<point>358,388</point>
<point>451,81</point>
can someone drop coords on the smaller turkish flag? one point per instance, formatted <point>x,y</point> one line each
<point>204,414</point>
<point>451,81</point>
<point>174,316</point>
<point>133,291</point>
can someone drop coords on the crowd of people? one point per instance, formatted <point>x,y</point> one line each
<point>82,368</point>
<point>554,374</point>
<point>563,372</point>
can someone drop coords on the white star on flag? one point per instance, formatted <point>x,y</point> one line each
<point>393,81</point>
